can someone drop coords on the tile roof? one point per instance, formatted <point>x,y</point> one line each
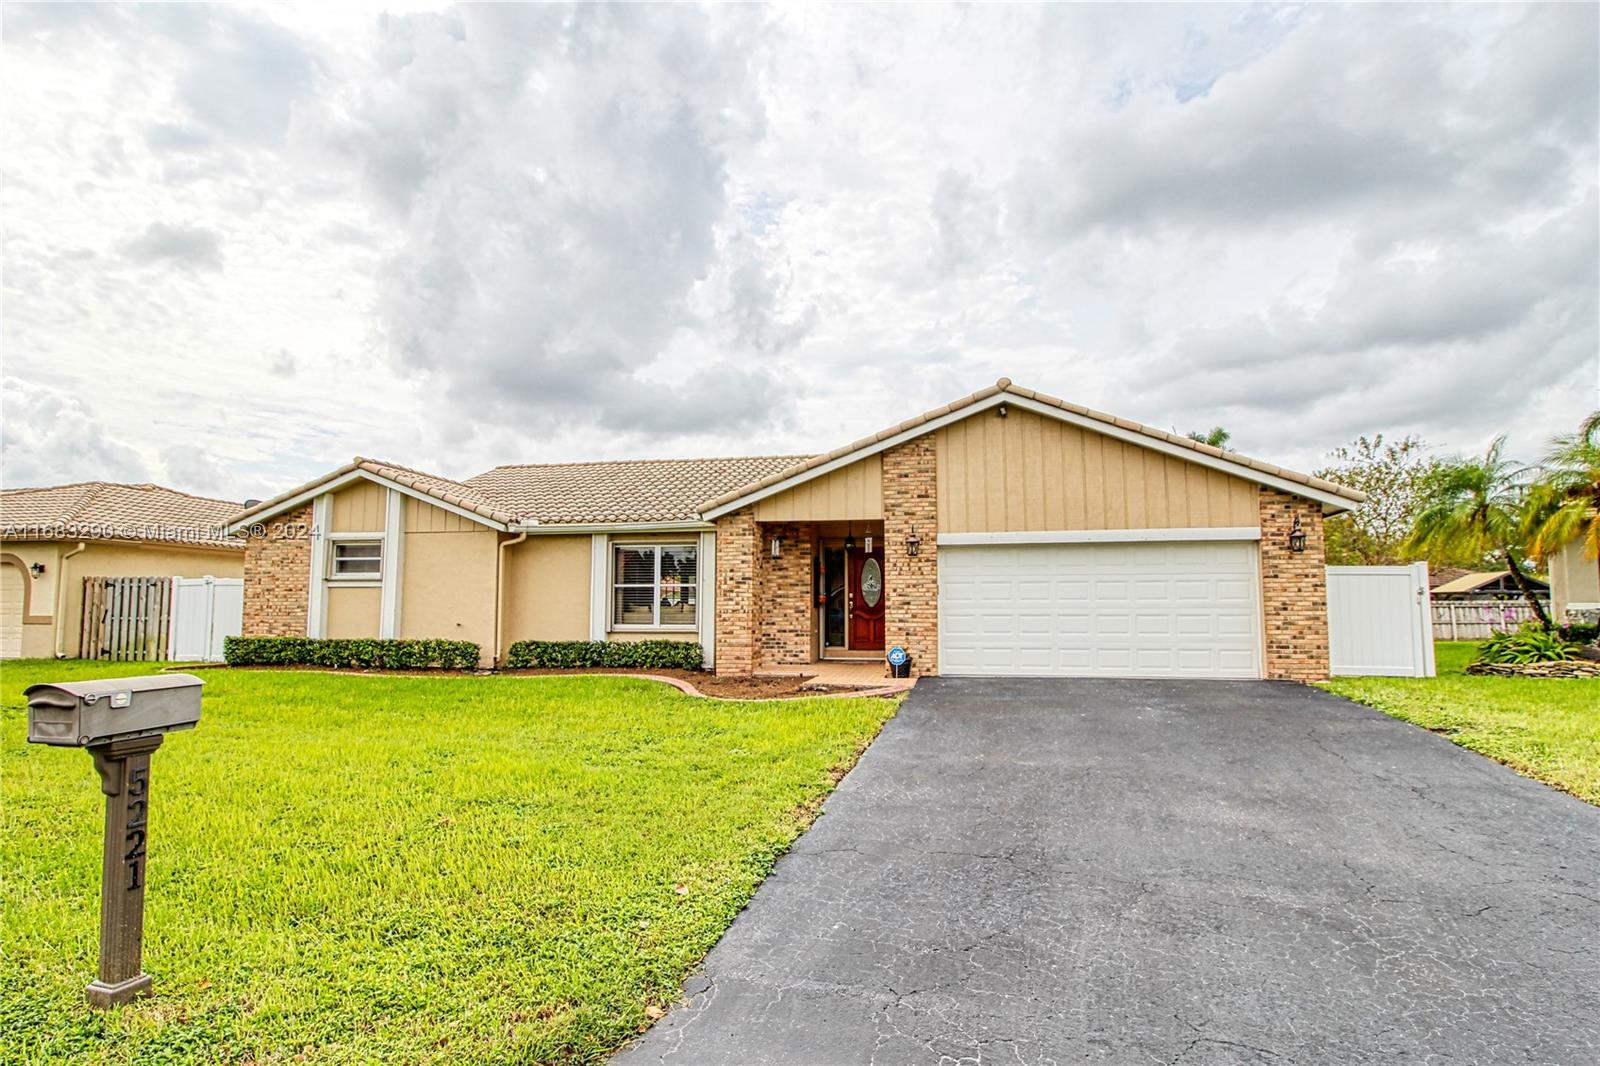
<point>103,510</point>
<point>647,490</point>
<point>680,490</point>
<point>1004,385</point>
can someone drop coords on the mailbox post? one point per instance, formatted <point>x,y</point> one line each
<point>120,721</point>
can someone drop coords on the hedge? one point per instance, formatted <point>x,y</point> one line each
<point>358,654</point>
<point>576,654</point>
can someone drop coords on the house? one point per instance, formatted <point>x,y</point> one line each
<point>1487,585</point>
<point>1574,585</point>
<point>52,538</point>
<point>1004,533</point>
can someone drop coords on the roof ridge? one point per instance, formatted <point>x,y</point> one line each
<point>640,462</point>
<point>99,485</point>
<point>1003,387</point>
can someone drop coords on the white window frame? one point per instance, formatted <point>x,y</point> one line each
<point>612,584</point>
<point>332,574</point>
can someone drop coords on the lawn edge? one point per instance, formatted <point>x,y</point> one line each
<point>1521,770</point>
<point>804,816</point>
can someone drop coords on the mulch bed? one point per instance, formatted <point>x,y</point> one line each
<point>733,688</point>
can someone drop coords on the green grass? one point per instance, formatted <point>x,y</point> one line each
<point>404,869</point>
<point>1545,728</point>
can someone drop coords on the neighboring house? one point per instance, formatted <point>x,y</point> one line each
<point>1486,585</point>
<point>1574,585</point>
<point>52,538</point>
<point>1004,533</point>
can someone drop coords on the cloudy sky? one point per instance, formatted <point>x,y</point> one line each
<point>244,244</point>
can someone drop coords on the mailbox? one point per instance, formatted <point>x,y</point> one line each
<point>121,721</point>
<point>81,714</point>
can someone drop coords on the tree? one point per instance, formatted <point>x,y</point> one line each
<point>1393,475</point>
<point>1217,437</point>
<point>1564,504</point>
<point>1478,507</point>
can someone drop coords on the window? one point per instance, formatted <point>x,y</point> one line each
<point>357,559</point>
<point>653,585</point>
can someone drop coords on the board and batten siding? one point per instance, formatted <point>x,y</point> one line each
<point>1025,472</point>
<point>447,576</point>
<point>359,508</point>
<point>851,493</point>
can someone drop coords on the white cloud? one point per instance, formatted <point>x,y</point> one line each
<point>491,233</point>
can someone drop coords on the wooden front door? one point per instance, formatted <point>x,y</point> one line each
<point>866,600</point>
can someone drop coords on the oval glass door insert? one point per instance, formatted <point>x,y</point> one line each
<point>871,582</point>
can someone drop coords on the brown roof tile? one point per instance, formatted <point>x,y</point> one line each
<point>104,510</point>
<point>649,490</point>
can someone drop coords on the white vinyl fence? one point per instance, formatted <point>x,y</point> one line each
<point>1469,620</point>
<point>204,611</point>
<point>1379,624</point>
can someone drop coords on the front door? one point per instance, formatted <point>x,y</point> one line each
<point>866,600</point>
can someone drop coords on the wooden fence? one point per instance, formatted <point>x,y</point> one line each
<point>1477,619</point>
<point>126,618</point>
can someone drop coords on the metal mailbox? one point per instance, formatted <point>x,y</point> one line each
<point>81,714</point>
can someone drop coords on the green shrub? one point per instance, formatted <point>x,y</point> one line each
<point>577,654</point>
<point>351,654</point>
<point>1530,644</point>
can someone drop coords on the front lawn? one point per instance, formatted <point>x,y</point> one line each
<point>404,869</point>
<point>1545,728</point>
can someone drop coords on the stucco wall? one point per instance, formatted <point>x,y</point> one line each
<point>1573,579</point>
<point>852,492</point>
<point>352,612</point>
<point>547,589</point>
<point>1029,472</point>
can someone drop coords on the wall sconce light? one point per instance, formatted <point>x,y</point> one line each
<point>777,547</point>
<point>1002,410</point>
<point>37,568</point>
<point>1297,537</point>
<point>913,545</point>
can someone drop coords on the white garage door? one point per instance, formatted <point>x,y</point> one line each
<point>11,594</point>
<point>1154,609</point>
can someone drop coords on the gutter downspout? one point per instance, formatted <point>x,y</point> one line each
<point>500,593</point>
<point>61,599</point>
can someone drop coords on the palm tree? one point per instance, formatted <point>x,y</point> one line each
<point>1565,502</point>
<point>1477,507</point>
<point>1217,437</point>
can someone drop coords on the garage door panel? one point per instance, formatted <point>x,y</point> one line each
<point>1181,609</point>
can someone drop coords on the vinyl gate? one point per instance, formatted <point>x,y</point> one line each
<point>125,619</point>
<point>1379,623</point>
<point>147,619</point>
<point>205,610</point>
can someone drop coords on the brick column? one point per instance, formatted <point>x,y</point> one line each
<point>784,631</point>
<point>277,576</point>
<point>737,535</point>
<point>911,583</point>
<point>1294,589</point>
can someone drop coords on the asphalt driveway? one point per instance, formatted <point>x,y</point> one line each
<point>1054,871</point>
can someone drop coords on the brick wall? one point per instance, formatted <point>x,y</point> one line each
<point>277,577</point>
<point>784,629</point>
<point>911,583</point>
<point>1294,590</point>
<point>736,592</point>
